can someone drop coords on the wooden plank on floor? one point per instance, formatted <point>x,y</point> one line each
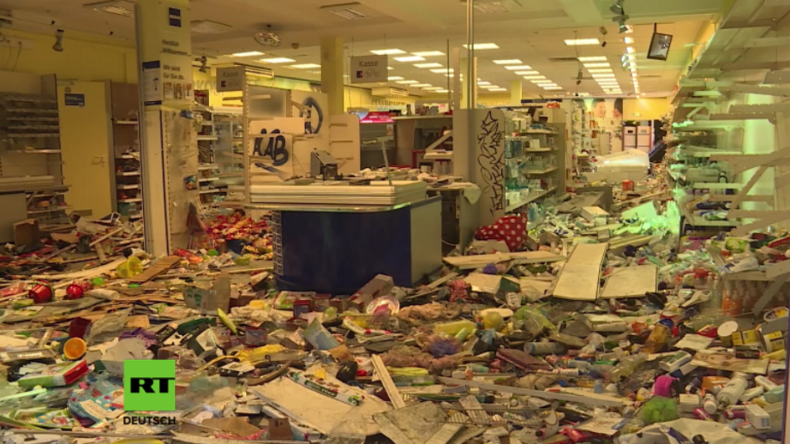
<point>580,277</point>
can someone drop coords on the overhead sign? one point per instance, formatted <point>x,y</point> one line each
<point>369,69</point>
<point>230,79</point>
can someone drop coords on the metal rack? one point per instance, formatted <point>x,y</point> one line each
<point>30,150</point>
<point>126,150</point>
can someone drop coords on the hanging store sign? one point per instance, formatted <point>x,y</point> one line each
<point>369,69</point>
<point>230,79</point>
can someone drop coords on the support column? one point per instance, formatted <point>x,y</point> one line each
<point>332,73</point>
<point>516,92</point>
<point>164,65</point>
<point>464,79</point>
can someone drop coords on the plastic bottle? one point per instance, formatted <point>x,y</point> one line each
<point>544,348</point>
<point>452,328</point>
<point>709,404</point>
<point>627,367</point>
<point>732,392</point>
<point>658,338</point>
<point>765,383</point>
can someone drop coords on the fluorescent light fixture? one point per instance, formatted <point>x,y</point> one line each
<point>305,66</point>
<point>596,65</point>
<point>428,53</point>
<point>410,59</point>
<point>527,73</point>
<point>443,70</point>
<point>610,82</point>
<point>534,77</point>
<point>483,83</point>
<point>277,60</point>
<point>631,56</point>
<point>389,68</point>
<point>427,65</point>
<point>441,91</point>
<point>490,86</point>
<point>583,94</point>
<point>543,82</point>
<point>388,51</point>
<point>508,62</point>
<point>599,70</point>
<point>394,78</point>
<point>498,89</point>
<point>602,75</point>
<point>630,49</point>
<point>553,88</point>
<point>518,67</point>
<point>434,88</point>
<point>248,54</point>
<point>593,59</point>
<point>482,46</point>
<point>421,85</point>
<point>580,42</point>
<point>407,82</point>
<point>628,40</point>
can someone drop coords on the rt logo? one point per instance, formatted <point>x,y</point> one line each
<point>149,385</point>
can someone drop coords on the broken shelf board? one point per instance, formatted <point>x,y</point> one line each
<point>589,398</point>
<point>156,269</point>
<point>318,411</point>
<point>581,275</point>
<point>384,375</point>
<point>479,261</point>
<point>630,282</point>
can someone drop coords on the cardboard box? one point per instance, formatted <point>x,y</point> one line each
<point>592,213</point>
<point>26,232</point>
<point>207,295</point>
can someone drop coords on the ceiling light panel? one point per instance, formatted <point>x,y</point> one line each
<point>593,59</point>
<point>388,51</point>
<point>443,71</point>
<point>305,66</point>
<point>527,73</point>
<point>497,89</point>
<point>394,78</point>
<point>483,83</point>
<point>628,40</point>
<point>534,77</point>
<point>482,46</point>
<point>410,59</point>
<point>518,67</point>
<point>508,62</point>
<point>553,88</point>
<point>428,53</point>
<point>427,65</point>
<point>277,60</point>
<point>434,88</point>
<point>407,82</point>
<point>422,85</point>
<point>599,70</point>
<point>582,42</point>
<point>602,75</point>
<point>249,54</point>
<point>596,65</point>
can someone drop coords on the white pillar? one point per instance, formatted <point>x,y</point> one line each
<point>332,65</point>
<point>515,92</point>
<point>164,58</point>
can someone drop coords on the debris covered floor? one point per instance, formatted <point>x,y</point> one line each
<point>598,327</point>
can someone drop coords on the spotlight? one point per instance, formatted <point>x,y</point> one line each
<point>603,44</point>
<point>58,46</point>
<point>203,62</point>
<point>617,7</point>
<point>622,27</point>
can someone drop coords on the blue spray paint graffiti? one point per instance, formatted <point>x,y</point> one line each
<point>275,149</point>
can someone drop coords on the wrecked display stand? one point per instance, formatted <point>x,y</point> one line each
<point>575,337</point>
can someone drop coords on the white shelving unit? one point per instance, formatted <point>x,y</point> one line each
<point>126,150</point>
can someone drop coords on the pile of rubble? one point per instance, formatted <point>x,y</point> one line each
<point>602,333</point>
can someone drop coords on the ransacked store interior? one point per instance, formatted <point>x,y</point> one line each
<point>321,228</point>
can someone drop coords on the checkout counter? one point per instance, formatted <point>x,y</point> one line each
<point>333,236</point>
